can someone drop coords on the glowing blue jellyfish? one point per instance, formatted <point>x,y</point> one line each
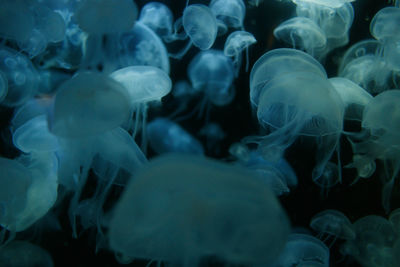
<point>197,208</point>
<point>366,55</point>
<point>19,77</point>
<point>165,136</point>
<point>229,14</point>
<point>235,44</point>
<point>157,17</point>
<point>212,72</point>
<point>302,33</point>
<point>326,3</point>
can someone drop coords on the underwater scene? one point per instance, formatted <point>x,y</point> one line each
<point>241,133</point>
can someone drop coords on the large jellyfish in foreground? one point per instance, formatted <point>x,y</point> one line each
<point>183,209</point>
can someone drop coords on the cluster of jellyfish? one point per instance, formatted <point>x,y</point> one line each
<point>91,146</point>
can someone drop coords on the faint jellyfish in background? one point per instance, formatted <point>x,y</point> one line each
<point>144,85</point>
<point>141,46</point>
<point>197,208</point>
<point>326,3</point>
<point>166,136</point>
<point>19,77</point>
<point>363,64</point>
<point>380,122</point>
<point>200,26</point>
<point>101,20</point>
<point>385,28</point>
<point>374,242</point>
<point>214,135</point>
<point>304,34</point>
<point>303,250</point>
<point>394,219</point>
<point>229,14</point>
<point>332,224</point>
<point>235,44</point>
<point>212,73</point>
<point>331,176</point>
<point>157,17</point>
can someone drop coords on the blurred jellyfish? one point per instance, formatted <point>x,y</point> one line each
<point>23,253</point>
<point>302,33</point>
<point>234,45</point>
<point>19,77</point>
<point>197,207</point>
<point>363,64</point>
<point>229,14</point>
<point>212,73</point>
<point>214,134</point>
<point>327,3</point>
<point>157,17</point>
<point>303,250</point>
<point>332,223</point>
<point>165,136</point>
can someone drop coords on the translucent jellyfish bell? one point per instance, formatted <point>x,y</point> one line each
<point>141,46</point>
<point>19,77</point>
<point>165,136</point>
<point>106,16</point>
<point>276,63</point>
<point>197,207</point>
<point>236,42</point>
<point>332,223</point>
<point>200,25</point>
<point>353,96</point>
<point>16,20</point>
<point>385,24</point>
<point>212,72</point>
<point>316,111</point>
<point>363,64</point>
<point>157,17</point>
<point>302,33</point>
<point>88,104</point>
<point>230,12</point>
<point>304,250</point>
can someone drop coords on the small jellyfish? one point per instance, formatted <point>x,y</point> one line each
<point>212,73</point>
<point>197,208</point>
<point>234,45</point>
<point>302,33</point>
<point>332,223</point>
<point>304,250</point>
<point>19,75</point>
<point>327,3</point>
<point>165,136</point>
<point>200,25</point>
<point>158,17</point>
<point>88,104</point>
<point>144,84</point>
<point>363,64</point>
<point>229,14</point>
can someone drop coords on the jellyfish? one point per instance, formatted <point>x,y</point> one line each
<point>327,3</point>
<point>157,17</point>
<point>144,84</point>
<point>197,208</point>
<point>212,73</point>
<point>278,62</point>
<point>214,135</point>
<point>366,55</point>
<point>385,28</point>
<point>394,219</point>
<point>304,250</point>
<point>165,136</point>
<point>380,120</point>
<point>286,112</point>
<point>234,45</point>
<point>374,242</point>
<point>200,26</point>
<point>332,223</point>
<point>302,33</point>
<point>229,14</point>
<point>19,77</point>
